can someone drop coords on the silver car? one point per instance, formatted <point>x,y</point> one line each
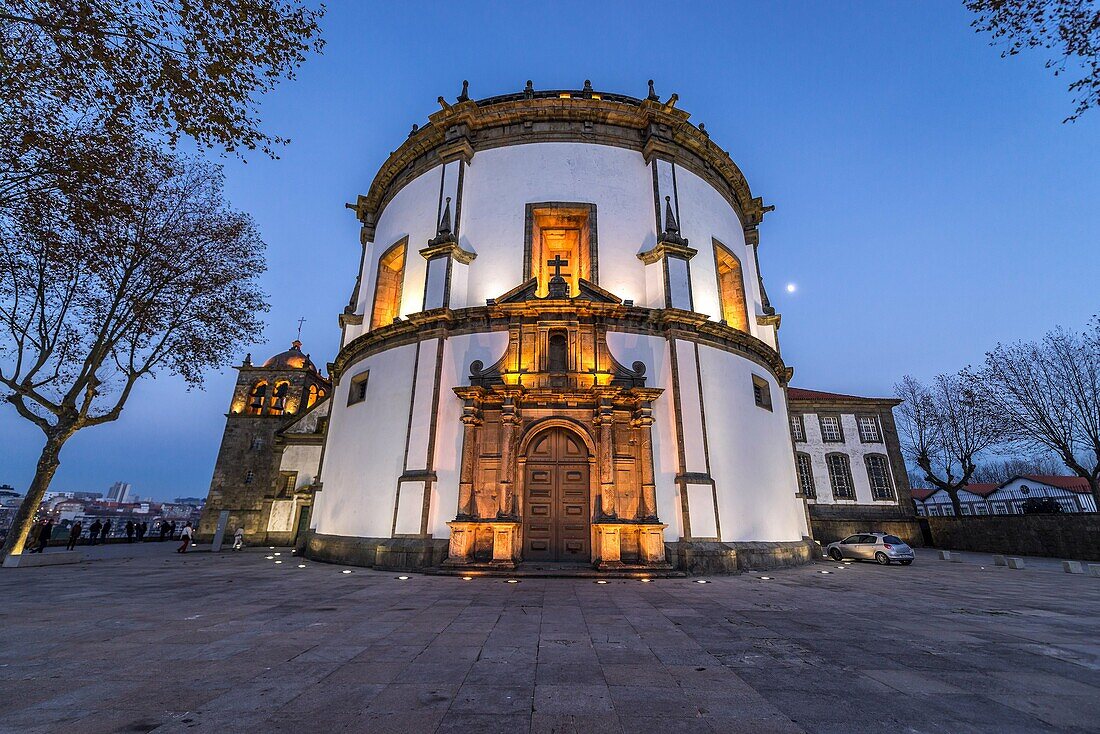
<point>872,546</point>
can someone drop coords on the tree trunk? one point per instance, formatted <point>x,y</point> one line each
<point>1094,485</point>
<point>955,504</point>
<point>48,461</point>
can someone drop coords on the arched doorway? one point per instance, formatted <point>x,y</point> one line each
<point>557,513</point>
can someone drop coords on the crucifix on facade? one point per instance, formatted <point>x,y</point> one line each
<point>558,287</point>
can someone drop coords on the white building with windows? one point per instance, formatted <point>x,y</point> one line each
<point>1071,493</point>
<point>559,348</point>
<point>848,456</point>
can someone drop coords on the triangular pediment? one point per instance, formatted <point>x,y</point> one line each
<point>527,290</point>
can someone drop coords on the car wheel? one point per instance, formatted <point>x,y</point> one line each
<point>906,563</point>
<point>835,554</point>
<point>882,558</point>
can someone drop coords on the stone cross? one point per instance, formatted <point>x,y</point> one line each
<point>300,322</point>
<point>557,264</point>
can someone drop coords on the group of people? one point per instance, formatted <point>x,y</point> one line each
<point>100,531</point>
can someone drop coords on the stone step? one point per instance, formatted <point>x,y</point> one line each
<point>560,571</point>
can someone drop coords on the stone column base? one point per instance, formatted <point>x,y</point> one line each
<point>609,537</point>
<point>503,539</point>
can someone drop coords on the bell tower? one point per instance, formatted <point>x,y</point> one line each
<point>267,400</point>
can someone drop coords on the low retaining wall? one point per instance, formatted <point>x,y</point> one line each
<point>1065,535</point>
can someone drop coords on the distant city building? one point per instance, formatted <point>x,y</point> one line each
<point>196,501</point>
<point>9,505</point>
<point>1071,493</point>
<point>120,492</point>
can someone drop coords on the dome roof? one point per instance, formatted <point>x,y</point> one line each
<point>291,359</point>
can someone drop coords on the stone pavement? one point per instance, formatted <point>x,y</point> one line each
<point>154,641</point>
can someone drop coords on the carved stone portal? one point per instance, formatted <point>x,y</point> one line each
<point>557,458</point>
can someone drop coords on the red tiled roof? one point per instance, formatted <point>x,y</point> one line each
<point>800,393</point>
<point>981,489</point>
<point>1078,485</point>
<point>922,494</point>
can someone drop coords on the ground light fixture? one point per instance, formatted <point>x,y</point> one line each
<point>824,571</point>
<point>765,578</point>
<point>301,565</point>
<point>277,554</point>
<point>601,581</point>
<point>701,581</point>
<point>646,581</point>
<point>269,558</point>
<point>512,581</point>
<point>402,578</point>
<point>271,547</point>
<point>346,570</point>
<point>467,578</point>
<point>278,561</point>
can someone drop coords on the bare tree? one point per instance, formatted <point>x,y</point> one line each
<point>93,299</point>
<point>1047,396</point>
<point>1070,29</point>
<point>998,472</point>
<point>944,428</point>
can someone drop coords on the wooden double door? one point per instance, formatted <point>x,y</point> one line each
<point>557,515</point>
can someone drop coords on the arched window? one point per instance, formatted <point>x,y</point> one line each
<point>558,353</point>
<point>878,476</point>
<point>731,288</point>
<point>387,286</point>
<point>256,398</point>
<point>313,396</point>
<point>840,476</point>
<point>805,475</point>
<point>278,398</point>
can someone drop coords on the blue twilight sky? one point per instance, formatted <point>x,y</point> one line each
<point>929,200</point>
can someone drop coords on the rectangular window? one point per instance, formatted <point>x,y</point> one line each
<point>798,431</point>
<point>565,234</point>
<point>868,429</point>
<point>357,393</point>
<point>878,476</point>
<point>830,429</point>
<point>840,476</point>
<point>805,476</point>
<point>761,392</point>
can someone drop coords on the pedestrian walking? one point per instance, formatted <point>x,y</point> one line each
<point>186,537</point>
<point>172,529</point>
<point>74,535</point>
<point>238,539</point>
<point>163,530</point>
<point>44,536</point>
<point>140,530</point>
<point>93,531</point>
<point>105,532</point>
<point>129,531</point>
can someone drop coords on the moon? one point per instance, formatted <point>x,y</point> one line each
<point>791,287</point>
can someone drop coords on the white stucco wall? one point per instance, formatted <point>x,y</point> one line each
<point>856,451</point>
<point>301,459</point>
<point>366,448</point>
<point>750,452</point>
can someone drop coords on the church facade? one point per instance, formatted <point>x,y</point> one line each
<point>559,349</point>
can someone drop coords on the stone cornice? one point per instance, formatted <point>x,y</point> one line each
<point>664,249</point>
<point>653,128</point>
<point>667,323</point>
<point>450,249</point>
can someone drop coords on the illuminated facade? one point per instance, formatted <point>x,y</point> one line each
<point>559,348</point>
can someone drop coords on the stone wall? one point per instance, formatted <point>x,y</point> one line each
<point>1075,536</point>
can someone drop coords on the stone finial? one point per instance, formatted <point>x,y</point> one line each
<point>671,233</point>
<point>465,96</point>
<point>587,86</point>
<point>652,93</point>
<point>671,225</point>
<point>672,100</point>
<point>415,127</point>
<point>443,232</point>
<point>703,129</point>
<point>247,360</point>
<point>529,90</point>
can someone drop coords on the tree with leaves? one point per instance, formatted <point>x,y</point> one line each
<point>1067,29</point>
<point>1046,395</point>
<point>92,299</point>
<point>945,426</point>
